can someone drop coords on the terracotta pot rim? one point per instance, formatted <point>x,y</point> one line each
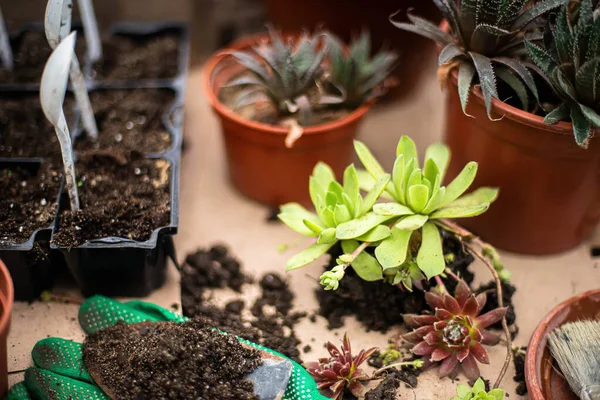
<point>532,379</point>
<point>510,112</point>
<point>214,61</point>
<point>6,299</point>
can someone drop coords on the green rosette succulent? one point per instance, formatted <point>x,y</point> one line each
<point>477,392</point>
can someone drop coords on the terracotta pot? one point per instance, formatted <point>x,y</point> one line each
<point>6,305</point>
<point>260,165</point>
<point>348,17</point>
<point>543,380</point>
<point>549,187</point>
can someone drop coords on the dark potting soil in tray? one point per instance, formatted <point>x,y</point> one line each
<point>129,120</point>
<point>24,129</point>
<point>28,201</point>
<point>273,322</point>
<point>30,53</point>
<point>129,57</point>
<point>378,305</point>
<point>170,360</point>
<point>128,199</point>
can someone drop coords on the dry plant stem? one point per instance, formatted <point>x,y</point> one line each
<point>473,244</point>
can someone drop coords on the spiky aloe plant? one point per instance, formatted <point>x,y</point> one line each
<point>569,57</point>
<point>485,38</point>
<point>360,76</point>
<point>286,73</point>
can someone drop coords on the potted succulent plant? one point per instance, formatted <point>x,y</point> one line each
<point>286,103</point>
<point>488,51</point>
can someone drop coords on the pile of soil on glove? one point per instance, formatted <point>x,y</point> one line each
<point>169,360</point>
<point>379,306</point>
<point>272,320</point>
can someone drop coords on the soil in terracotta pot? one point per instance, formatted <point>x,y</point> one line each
<point>265,112</point>
<point>30,53</point>
<point>389,385</point>
<point>129,120</point>
<point>24,129</point>
<point>508,291</point>
<point>28,201</point>
<point>378,305</point>
<point>170,360</point>
<point>272,323</point>
<point>132,57</point>
<point>119,197</point>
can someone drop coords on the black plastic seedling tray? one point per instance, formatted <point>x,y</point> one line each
<point>113,266</point>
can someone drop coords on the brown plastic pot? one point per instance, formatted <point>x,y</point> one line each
<point>541,376</point>
<point>6,305</point>
<point>549,187</point>
<point>348,17</point>
<point>260,165</point>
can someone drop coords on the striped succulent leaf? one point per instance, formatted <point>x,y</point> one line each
<point>485,41</point>
<point>358,75</point>
<point>286,73</point>
<point>569,58</point>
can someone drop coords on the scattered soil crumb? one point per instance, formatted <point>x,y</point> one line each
<point>170,360</point>
<point>508,291</point>
<point>387,388</point>
<point>307,348</point>
<point>519,363</point>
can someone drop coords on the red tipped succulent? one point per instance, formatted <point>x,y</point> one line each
<point>340,370</point>
<point>455,334</point>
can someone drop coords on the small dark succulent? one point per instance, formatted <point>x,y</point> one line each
<point>486,37</point>
<point>569,57</point>
<point>341,370</point>
<point>286,73</point>
<point>455,334</point>
<point>360,76</point>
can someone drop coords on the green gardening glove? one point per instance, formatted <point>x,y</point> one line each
<point>59,373</point>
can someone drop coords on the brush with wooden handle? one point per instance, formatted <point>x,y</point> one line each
<point>576,348</point>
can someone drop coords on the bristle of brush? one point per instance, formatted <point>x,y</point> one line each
<point>576,348</point>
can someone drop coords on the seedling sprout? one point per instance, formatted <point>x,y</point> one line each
<point>5,50</point>
<point>90,27</point>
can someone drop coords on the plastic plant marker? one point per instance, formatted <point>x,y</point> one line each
<point>90,27</point>
<point>5,50</point>
<point>52,96</point>
<point>57,26</point>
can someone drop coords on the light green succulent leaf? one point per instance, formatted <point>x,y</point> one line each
<point>440,154</point>
<point>398,178</point>
<point>317,193</point>
<point>360,226</point>
<point>368,160</point>
<point>391,209</point>
<point>335,188</point>
<point>408,149</point>
<point>430,258</point>
<point>307,256</point>
<point>375,193</point>
<point>478,386</point>
<point>418,196</point>
<point>351,186</point>
<point>293,215</point>
<point>496,394</point>
<point>358,203</point>
<point>431,171</point>
<point>327,236</point>
<point>323,174</point>
<point>462,390</point>
<point>483,195</point>
<point>314,227</point>
<point>412,222</point>
<point>376,234</point>
<point>342,214</point>
<point>349,203</point>
<point>392,251</point>
<point>365,179</point>
<point>331,199</point>
<point>461,183</point>
<point>409,168</point>
<point>328,217</point>
<point>460,211</point>
<point>365,265</point>
<point>435,199</point>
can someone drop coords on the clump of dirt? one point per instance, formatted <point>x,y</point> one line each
<point>508,291</point>
<point>519,363</point>
<point>379,305</point>
<point>170,360</point>
<point>387,388</point>
<point>129,120</point>
<point>133,57</point>
<point>30,53</point>
<point>272,322</point>
<point>119,197</point>
<point>25,131</point>
<point>28,201</point>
